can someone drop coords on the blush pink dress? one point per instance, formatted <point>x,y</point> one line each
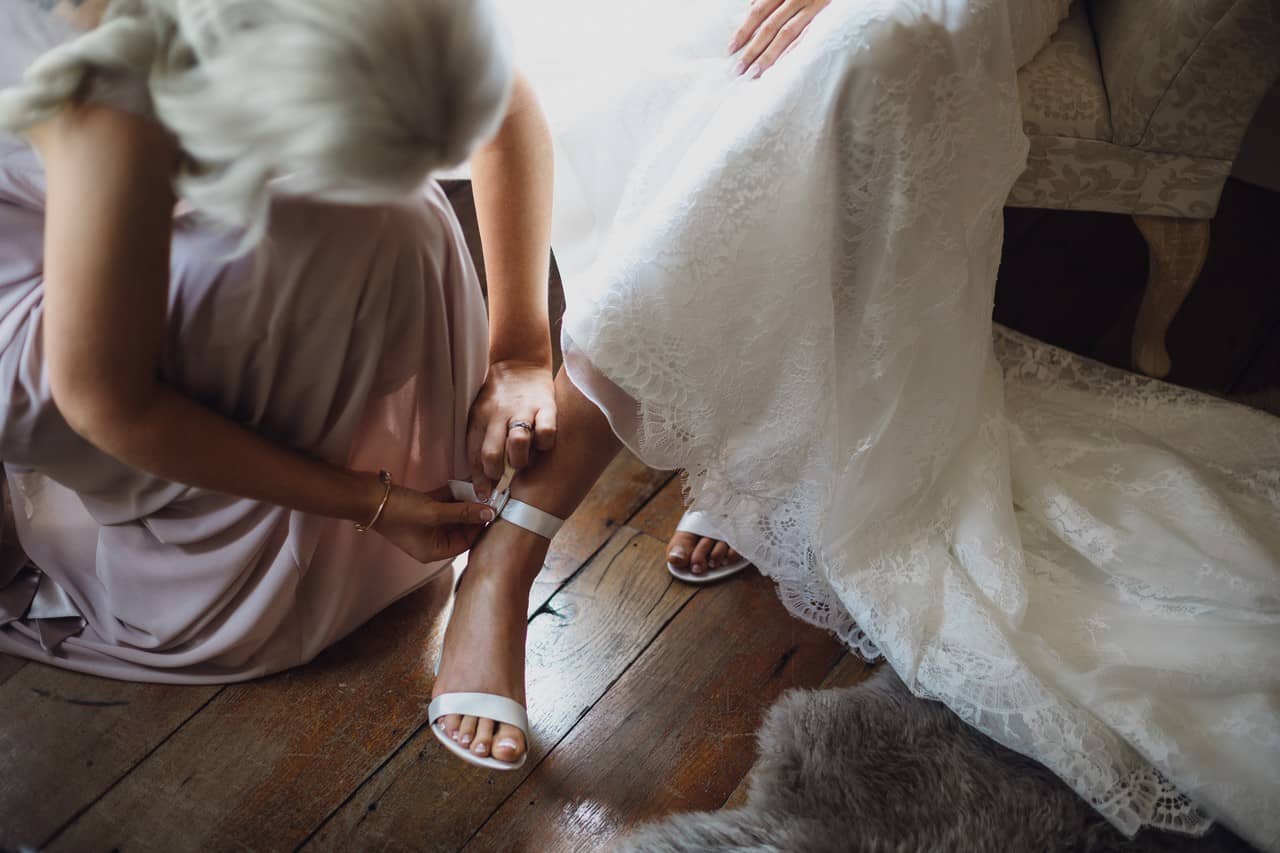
<point>363,343</point>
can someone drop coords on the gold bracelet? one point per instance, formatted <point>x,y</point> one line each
<point>384,477</point>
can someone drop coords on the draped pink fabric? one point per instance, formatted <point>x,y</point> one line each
<point>362,340</point>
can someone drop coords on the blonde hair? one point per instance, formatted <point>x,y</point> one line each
<point>355,101</point>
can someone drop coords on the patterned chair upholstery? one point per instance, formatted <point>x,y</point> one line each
<point>1139,107</point>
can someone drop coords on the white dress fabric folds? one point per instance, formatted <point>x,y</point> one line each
<point>785,286</point>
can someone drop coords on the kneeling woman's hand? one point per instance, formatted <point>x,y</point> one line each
<point>771,28</point>
<point>514,414</point>
<point>431,527</point>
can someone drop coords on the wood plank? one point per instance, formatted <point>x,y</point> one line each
<point>265,762</point>
<point>738,798</point>
<point>626,486</point>
<point>9,666</point>
<point>849,671</point>
<point>67,738</point>
<point>661,514</point>
<point>676,732</point>
<point>590,632</point>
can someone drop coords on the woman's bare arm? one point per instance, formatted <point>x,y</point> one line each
<point>107,243</point>
<point>512,178</point>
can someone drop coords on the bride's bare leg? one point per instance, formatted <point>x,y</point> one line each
<point>484,644</point>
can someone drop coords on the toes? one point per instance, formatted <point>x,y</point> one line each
<point>508,743</point>
<point>450,724</point>
<point>733,556</point>
<point>701,552</point>
<point>483,738</point>
<point>719,555</point>
<point>680,549</point>
<point>467,731</point>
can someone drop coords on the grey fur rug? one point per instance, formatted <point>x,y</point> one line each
<point>872,768</point>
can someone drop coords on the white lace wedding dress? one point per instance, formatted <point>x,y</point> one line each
<point>784,286</point>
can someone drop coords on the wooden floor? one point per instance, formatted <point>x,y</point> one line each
<point>644,697</point>
<point>644,694</point>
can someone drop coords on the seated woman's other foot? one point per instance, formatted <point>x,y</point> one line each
<point>699,554</point>
<point>484,645</point>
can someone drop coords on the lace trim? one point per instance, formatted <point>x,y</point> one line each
<point>783,543</point>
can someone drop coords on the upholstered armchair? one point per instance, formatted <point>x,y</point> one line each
<point>1139,107</point>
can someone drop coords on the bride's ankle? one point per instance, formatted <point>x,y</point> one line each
<point>510,552</point>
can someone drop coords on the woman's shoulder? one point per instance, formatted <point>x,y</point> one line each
<point>30,29</point>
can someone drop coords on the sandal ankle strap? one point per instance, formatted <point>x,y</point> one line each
<point>519,513</point>
<point>531,518</point>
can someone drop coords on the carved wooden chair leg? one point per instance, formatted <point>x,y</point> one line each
<point>1176,250</point>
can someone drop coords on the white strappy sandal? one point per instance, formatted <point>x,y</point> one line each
<point>488,706</point>
<point>700,524</point>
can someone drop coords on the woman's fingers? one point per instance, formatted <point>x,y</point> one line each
<point>764,36</point>
<point>493,453</point>
<point>442,513</point>
<point>475,444</point>
<point>756,15</point>
<point>522,442</point>
<point>544,430</point>
<point>429,528</point>
<point>782,42</point>
<point>519,442</point>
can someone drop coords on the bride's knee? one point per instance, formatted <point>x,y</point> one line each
<point>885,39</point>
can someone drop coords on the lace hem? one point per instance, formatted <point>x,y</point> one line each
<point>782,539</point>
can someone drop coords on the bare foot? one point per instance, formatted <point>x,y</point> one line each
<point>484,643</point>
<point>698,554</point>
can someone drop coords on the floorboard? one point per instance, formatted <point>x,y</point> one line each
<point>626,486</point>
<point>681,721</point>
<point>9,667</point>
<point>849,671</point>
<point>660,515</point>
<point>265,762</point>
<point>68,738</point>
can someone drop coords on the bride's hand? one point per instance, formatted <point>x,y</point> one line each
<point>771,28</point>
<point>514,395</point>
<point>431,527</point>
